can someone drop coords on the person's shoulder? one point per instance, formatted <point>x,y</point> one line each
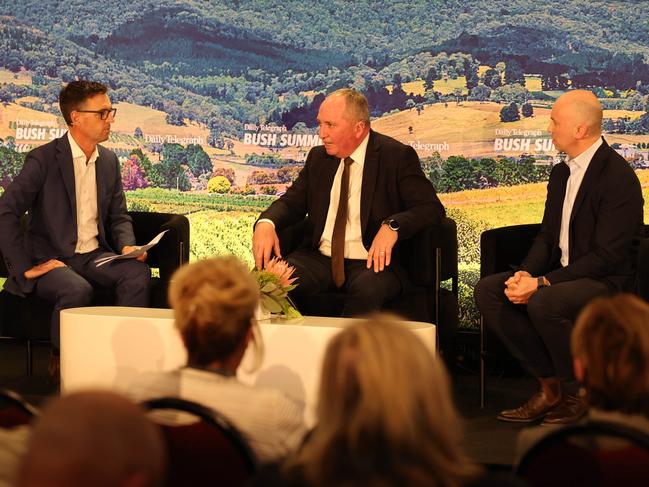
<point>385,141</point>
<point>106,153</point>
<point>47,149</point>
<point>317,152</point>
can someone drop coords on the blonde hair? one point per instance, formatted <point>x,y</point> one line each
<point>385,413</point>
<point>356,107</point>
<point>214,302</point>
<point>611,339</point>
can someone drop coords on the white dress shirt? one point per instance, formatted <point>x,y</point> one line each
<point>578,167</point>
<point>354,248</point>
<point>85,189</point>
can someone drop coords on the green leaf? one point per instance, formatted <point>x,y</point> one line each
<point>268,288</point>
<point>270,304</point>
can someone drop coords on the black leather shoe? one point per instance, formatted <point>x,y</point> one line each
<point>570,410</point>
<point>533,410</point>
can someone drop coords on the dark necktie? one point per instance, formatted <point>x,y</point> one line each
<point>338,235</point>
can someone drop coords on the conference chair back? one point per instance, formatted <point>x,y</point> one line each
<point>15,410</point>
<point>207,452</point>
<point>594,454</point>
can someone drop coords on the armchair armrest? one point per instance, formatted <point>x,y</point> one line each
<point>505,247</point>
<point>173,250</point>
<point>419,254</point>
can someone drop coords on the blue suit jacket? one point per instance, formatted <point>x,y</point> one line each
<point>45,188</point>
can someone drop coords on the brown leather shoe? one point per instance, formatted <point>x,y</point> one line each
<point>534,409</point>
<point>54,368</point>
<point>570,410</point>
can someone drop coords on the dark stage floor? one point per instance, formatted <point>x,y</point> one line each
<point>486,439</point>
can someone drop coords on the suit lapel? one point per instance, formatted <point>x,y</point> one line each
<point>370,173</point>
<point>66,166</point>
<point>101,181</point>
<point>594,168</point>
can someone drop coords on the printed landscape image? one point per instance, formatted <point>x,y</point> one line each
<point>216,101</point>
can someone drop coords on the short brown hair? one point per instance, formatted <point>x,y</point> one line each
<point>214,302</point>
<point>356,107</point>
<point>75,93</point>
<point>611,339</point>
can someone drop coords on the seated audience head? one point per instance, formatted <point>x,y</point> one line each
<point>93,438</point>
<point>575,121</point>
<point>385,413</point>
<point>214,303</point>
<point>610,349</point>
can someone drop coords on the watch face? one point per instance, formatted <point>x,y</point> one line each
<point>393,225</point>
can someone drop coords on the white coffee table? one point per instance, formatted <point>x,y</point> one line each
<point>107,346</point>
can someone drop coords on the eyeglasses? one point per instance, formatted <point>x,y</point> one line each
<point>103,114</point>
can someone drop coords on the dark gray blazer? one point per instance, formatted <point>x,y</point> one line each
<point>45,188</point>
<point>606,224</point>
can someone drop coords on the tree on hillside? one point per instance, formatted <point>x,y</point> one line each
<point>509,113</point>
<point>11,162</point>
<point>132,174</point>
<point>480,93</point>
<point>288,174</point>
<point>514,73</point>
<point>218,184</point>
<point>198,160</point>
<point>138,133</point>
<point>429,80</point>
<point>226,172</point>
<point>173,157</point>
<point>492,78</point>
<point>527,110</point>
<point>510,93</point>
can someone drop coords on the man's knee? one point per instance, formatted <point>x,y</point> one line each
<point>75,294</point>
<point>135,275</point>
<point>490,290</point>
<point>374,287</point>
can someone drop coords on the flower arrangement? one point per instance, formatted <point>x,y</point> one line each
<point>275,282</point>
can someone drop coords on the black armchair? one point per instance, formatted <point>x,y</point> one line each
<point>27,320</point>
<point>504,248</point>
<point>643,266</point>
<point>501,249</point>
<point>430,258</point>
<point>171,253</point>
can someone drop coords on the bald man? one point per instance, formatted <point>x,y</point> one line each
<point>93,438</point>
<point>586,247</point>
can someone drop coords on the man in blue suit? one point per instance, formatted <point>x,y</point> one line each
<point>72,191</point>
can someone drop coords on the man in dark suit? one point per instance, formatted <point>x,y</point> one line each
<point>386,198</point>
<point>586,247</point>
<point>72,189</point>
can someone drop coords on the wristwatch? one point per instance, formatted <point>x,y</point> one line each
<point>541,282</point>
<point>391,223</point>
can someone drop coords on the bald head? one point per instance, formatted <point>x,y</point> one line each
<point>93,438</point>
<point>576,121</point>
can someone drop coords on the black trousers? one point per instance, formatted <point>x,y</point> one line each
<point>538,334</point>
<point>72,286</point>
<point>365,290</point>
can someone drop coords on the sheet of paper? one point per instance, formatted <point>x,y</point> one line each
<point>133,254</point>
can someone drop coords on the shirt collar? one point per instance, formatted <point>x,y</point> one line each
<point>359,153</point>
<point>583,160</point>
<point>77,153</point>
